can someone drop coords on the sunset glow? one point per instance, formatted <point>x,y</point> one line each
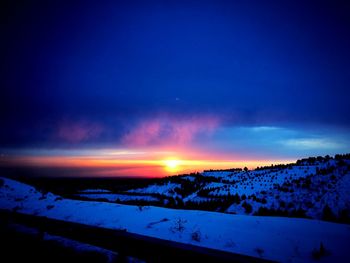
<point>134,163</point>
<point>172,165</point>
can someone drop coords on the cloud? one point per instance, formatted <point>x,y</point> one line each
<point>264,128</point>
<point>312,143</point>
<point>169,131</point>
<point>78,131</point>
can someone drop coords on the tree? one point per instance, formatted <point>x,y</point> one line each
<point>248,207</point>
<point>245,169</point>
<point>328,214</point>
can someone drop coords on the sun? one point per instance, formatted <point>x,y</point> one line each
<point>172,165</point>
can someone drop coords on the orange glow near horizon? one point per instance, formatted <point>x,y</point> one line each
<point>172,165</point>
<point>133,163</point>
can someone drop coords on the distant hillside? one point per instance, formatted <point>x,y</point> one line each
<point>316,187</point>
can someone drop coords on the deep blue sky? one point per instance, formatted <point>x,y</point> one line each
<point>78,74</point>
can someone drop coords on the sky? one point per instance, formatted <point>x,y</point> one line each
<point>153,88</point>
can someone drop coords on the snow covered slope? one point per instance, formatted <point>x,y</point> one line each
<point>313,188</point>
<point>276,238</point>
<point>117,197</point>
<point>166,189</point>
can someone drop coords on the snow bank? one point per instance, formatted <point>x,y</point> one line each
<point>281,239</point>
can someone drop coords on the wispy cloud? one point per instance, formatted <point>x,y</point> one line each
<point>169,131</point>
<point>78,131</point>
<point>264,128</point>
<point>312,143</point>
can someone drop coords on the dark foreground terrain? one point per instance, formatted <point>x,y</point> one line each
<point>39,239</point>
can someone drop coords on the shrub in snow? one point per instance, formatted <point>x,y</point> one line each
<point>307,183</point>
<point>320,252</point>
<point>259,251</point>
<point>1,182</point>
<point>196,236</point>
<point>50,207</point>
<point>43,196</point>
<point>179,225</point>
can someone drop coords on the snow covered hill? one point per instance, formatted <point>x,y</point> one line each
<point>275,238</point>
<point>310,188</point>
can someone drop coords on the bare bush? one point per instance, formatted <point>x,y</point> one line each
<point>179,225</point>
<point>196,235</point>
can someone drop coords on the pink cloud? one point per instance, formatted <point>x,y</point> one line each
<point>79,131</point>
<point>169,131</point>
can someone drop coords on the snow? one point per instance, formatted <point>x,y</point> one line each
<point>324,188</point>
<point>339,197</point>
<point>198,199</point>
<point>189,178</point>
<point>255,181</point>
<point>120,197</point>
<point>164,189</point>
<point>88,191</point>
<point>214,185</point>
<point>218,174</point>
<point>190,197</point>
<point>274,238</point>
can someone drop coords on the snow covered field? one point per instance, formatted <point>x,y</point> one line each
<point>275,238</point>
